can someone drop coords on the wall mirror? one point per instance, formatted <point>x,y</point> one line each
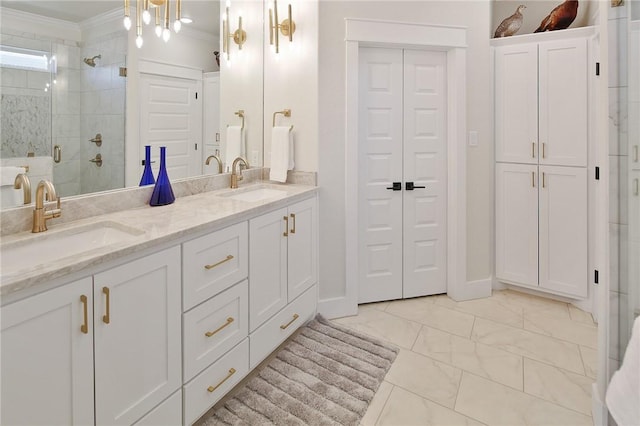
<point>79,104</point>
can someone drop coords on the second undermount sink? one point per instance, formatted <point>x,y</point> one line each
<point>54,245</point>
<point>254,194</point>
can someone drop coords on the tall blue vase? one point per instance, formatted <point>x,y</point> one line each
<point>147,174</point>
<point>162,192</point>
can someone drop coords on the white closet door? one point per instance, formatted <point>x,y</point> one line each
<point>516,103</point>
<point>563,103</point>
<point>517,223</point>
<point>563,229</point>
<point>379,165</point>
<point>171,116</point>
<point>425,207</point>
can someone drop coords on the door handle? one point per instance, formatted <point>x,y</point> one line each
<point>409,186</point>
<point>397,186</point>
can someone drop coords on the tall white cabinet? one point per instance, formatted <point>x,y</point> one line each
<point>541,100</point>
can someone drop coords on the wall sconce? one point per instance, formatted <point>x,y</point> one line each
<point>287,27</point>
<point>239,36</point>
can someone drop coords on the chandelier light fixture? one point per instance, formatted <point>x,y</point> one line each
<point>162,22</point>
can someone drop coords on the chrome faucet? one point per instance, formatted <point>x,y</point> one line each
<point>40,215</point>
<point>237,177</point>
<point>217,158</point>
<point>22,181</point>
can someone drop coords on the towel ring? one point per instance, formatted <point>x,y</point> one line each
<point>240,113</point>
<point>285,112</point>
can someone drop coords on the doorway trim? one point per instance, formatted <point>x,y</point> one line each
<point>452,40</point>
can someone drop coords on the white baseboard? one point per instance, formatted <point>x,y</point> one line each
<point>474,290</point>
<point>599,410</point>
<point>337,307</point>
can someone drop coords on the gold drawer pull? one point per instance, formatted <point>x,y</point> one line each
<point>533,150</point>
<point>226,259</point>
<point>232,371</point>
<point>286,226</point>
<point>106,318</point>
<point>85,326</point>
<point>211,333</point>
<point>293,216</point>
<point>544,155</point>
<point>295,317</point>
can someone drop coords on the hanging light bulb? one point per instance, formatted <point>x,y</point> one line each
<point>146,16</point>
<point>166,32</point>
<point>127,18</point>
<point>158,26</point>
<point>177,24</point>
<point>139,24</point>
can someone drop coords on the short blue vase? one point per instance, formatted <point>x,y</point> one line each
<point>162,192</point>
<point>147,174</point>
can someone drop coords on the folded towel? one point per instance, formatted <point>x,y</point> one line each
<point>234,144</point>
<point>623,394</point>
<point>281,153</point>
<point>8,174</point>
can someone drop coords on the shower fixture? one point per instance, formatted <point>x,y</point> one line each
<point>92,61</point>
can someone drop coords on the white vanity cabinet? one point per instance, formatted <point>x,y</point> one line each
<point>138,336</point>
<point>46,345</point>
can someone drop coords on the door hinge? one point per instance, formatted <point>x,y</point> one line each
<point>122,71</point>
<point>597,173</point>
<point>596,277</point>
<point>597,68</point>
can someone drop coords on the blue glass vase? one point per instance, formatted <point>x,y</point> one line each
<point>147,174</point>
<point>162,192</point>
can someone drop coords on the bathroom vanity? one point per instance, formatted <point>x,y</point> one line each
<point>155,327</point>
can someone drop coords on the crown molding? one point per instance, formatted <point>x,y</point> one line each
<point>40,25</point>
<point>105,19</point>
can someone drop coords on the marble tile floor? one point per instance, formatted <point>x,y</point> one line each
<point>510,359</point>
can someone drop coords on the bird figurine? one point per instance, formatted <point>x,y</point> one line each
<point>510,25</point>
<point>560,17</point>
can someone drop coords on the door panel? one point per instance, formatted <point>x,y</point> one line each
<point>380,164</point>
<point>563,102</point>
<point>425,135</point>
<point>517,223</point>
<point>563,229</point>
<point>516,103</point>
<point>171,116</point>
<point>301,251</point>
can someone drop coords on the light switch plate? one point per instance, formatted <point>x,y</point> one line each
<point>473,138</point>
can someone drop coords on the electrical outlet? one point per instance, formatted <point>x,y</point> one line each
<point>254,157</point>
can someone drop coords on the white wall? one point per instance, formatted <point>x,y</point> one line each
<point>473,14</point>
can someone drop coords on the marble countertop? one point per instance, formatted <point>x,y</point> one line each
<point>155,226</point>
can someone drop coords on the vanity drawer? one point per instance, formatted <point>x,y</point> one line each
<point>214,382</point>
<point>272,333</point>
<point>214,327</point>
<point>169,413</point>
<point>213,263</point>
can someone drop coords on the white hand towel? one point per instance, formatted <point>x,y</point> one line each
<point>281,153</point>
<point>623,394</point>
<point>234,144</point>
<point>8,174</point>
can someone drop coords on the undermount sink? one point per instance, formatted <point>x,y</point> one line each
<point>54,245</point>
<point>259,193</point>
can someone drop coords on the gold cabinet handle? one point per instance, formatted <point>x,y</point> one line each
<point>544,155</point>
<point>533,179</point>
<point>543,180</point>
<point>106,318</point>
<point>636,187</point>
<point>232,371</point>
<point>293,217</point>
<point>286,226</point>
<point>85,309</point>
<point>211,333</point>
<point>226,259</point>
<point>635,153</point>
<point>533,150</point>
<point>295,317</point>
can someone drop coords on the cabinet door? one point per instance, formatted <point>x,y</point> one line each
<point>267,266</point>
<point>563,230</point>
<point>517,223</point>
<point>302,243</point>
<point>516,103</point>
<point>137,337</point>
<point>47,358</point>
<point>563,132</point>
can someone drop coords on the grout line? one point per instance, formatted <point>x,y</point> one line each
<point>386,401</point>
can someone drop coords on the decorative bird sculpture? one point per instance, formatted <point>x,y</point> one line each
<point>560,17</point>
<point>510,25</point>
